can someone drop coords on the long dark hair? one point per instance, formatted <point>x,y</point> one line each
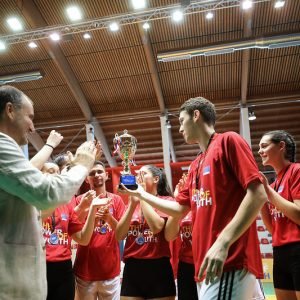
<point>280,135</point>
<point>163,188</point>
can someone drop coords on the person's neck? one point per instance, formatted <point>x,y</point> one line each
<point>205,138</point>
<point>281,165</point>
<point>154,192</point>
<point>100,191</point>
<point>5,128</point>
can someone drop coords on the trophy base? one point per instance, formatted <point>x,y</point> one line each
<point>128,181</point>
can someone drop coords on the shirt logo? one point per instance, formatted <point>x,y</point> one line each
<point>206,170</point>
<point>64,217</point>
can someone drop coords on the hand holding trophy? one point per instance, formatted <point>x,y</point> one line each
<point>125,146</point>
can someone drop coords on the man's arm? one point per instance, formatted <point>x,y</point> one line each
<point>43,155</point>
<point>19,178</point>
<point>246,214</point>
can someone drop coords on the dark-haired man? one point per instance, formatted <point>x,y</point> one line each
<point>225,193</point>
<point>97,265</point>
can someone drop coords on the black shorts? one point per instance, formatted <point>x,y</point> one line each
<point>187,288</point>
<point>148,278</point>
<point>60,280</point>
<point>286,267</point>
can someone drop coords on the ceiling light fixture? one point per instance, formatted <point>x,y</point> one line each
<point>32,45</point>
<point>209,15</point>
<point>74,13</point>
<point>87,36</point>
<point>177,15</point>
<point>251,115</point>
<point>55,36</point>
<point>139,4</point>
<point>246,4</point>
<point>146,26</point>
<point>279,4</point>
<point>280,41</point>
<point>2,46</point>
<point>14,23</point>
<point>114,26</point>
<point>20,77</point>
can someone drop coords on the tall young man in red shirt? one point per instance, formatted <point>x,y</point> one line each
<point>97,265</point>
<point>225,194</point>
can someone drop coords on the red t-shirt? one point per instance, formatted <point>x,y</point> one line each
<point>186,252</point>
<point>216,186</point>
<point>100,259</point>
<point>57,231</point>
<point>141,243</point>
<point>287,184</point>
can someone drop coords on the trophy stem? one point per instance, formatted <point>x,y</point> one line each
<point>126,164</point>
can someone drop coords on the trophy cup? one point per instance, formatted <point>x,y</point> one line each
<point>125,146</point>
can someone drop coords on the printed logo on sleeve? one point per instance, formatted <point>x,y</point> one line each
<point>206,170</point>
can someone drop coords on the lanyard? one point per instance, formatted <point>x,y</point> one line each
<point>202,161</point>
<point>53,222</point>
<point>276,186</point>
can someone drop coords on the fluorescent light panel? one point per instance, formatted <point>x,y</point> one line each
<point>20,77</point>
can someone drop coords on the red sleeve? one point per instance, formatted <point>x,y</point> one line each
<point>74,224</point>
<point>77,200</point>
<point>240,159</point>
<point>295,184</point>
<point>119,207</point>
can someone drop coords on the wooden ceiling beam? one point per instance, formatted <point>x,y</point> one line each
<point>166,132</point>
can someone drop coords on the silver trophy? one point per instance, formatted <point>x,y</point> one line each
<point>125,145</point>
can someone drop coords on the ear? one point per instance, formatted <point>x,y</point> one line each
<point>156,179</point>
<point>196,115</point>
<point>282,145</point>
<point>10,110</point>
